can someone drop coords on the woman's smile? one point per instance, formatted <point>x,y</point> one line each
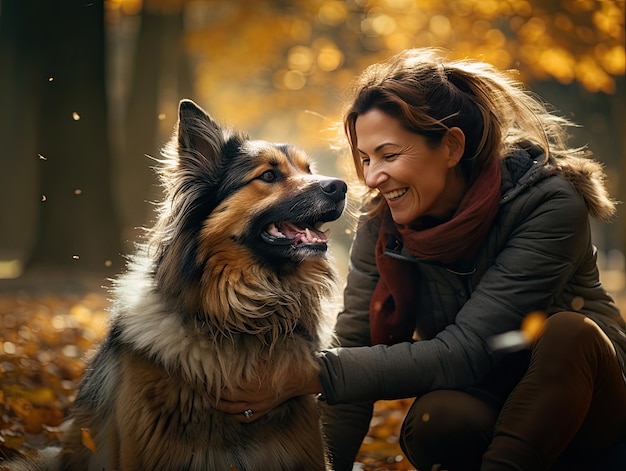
<point>395,194</point>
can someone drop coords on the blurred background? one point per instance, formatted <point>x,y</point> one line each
<point>89,92</point>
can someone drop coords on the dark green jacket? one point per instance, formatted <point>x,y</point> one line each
<point>537,257</point>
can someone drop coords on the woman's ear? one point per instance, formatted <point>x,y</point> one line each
<point>455,140</point>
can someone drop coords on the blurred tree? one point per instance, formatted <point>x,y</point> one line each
<point>18,154</point>
<point>281,53</point>
<point>278,69</point>
<point>62,49</point>
<point>158,77</point>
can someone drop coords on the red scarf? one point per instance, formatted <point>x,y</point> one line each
<point>393,303</point>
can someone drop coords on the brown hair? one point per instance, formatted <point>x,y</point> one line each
<point>429,94</point>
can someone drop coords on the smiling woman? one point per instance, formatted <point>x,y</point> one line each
<point>476,216</point>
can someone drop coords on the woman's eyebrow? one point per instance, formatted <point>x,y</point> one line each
<point>379,147</point>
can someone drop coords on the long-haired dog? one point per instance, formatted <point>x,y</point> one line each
<point>233,278</point>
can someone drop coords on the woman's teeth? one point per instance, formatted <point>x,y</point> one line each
<point>395,194</point>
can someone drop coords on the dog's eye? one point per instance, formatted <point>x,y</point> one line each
<point>268,176</point>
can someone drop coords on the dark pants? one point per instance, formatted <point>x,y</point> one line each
<point>568,409</point>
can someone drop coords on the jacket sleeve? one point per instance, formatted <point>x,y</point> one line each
<point>352,327</point>
<point>345,425</point>
<point>547,233</point>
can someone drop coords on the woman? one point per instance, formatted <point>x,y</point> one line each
<point>477,215</point>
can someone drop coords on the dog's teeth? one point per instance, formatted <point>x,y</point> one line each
<point>272,229</point>
<point>310,237</point>
<point>299,235</point>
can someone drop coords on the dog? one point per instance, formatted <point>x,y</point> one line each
<point>233,277</point>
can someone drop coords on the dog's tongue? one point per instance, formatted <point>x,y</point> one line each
<point>301,235</point>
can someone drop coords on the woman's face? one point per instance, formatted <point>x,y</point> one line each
<point>415,179</point>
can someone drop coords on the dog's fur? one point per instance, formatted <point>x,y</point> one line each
<point>231,284</point>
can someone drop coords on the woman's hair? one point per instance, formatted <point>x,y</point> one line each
<point>429,94</point>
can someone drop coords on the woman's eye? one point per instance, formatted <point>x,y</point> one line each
<point>365,162</point>
<point>268,176</point>
<point>390,156</point>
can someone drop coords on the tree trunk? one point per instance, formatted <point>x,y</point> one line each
<point>18,155</point>
<point>158,75</point>
<point>77,230</point>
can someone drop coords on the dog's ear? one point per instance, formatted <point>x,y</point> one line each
<point>198,133</point>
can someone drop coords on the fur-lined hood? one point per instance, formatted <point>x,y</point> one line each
<point>525,165</point>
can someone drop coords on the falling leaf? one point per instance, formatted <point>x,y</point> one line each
<point>533,324</point>
<point>87,440</point>
<point>512,340</point>
<point>530,329</point>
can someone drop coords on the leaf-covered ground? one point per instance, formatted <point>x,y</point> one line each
<point>43,342</point>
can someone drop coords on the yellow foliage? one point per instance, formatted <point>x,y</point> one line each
<point>613,59</point>
<point>42,343</point>
<point>559,63</point>
<point>30,416</point>
<point>264,54</point>
<point>593,77</point>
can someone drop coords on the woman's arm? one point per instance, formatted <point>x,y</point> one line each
<point>548,235</point>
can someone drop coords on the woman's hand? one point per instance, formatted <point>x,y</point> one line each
<point>254,399</point>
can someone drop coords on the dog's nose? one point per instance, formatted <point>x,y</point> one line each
<point>334,187</point>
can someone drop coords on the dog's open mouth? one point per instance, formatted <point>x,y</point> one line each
<point>290,233</point>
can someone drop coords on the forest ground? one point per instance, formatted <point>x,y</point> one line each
<point>44,335</point>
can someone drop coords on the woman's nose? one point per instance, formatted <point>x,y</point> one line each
<point>374,176</point>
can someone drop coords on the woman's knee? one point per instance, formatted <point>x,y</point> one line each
<point>569,333</point>
<point>447,427</point>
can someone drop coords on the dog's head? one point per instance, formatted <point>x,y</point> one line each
<point>230,199</point>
